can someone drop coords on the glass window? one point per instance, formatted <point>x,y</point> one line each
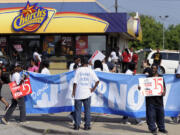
<point>173,56</point>
<point>164,55</point>
<point>58,45</point>
<point>96,43</point>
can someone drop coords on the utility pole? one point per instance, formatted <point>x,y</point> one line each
<point>116,6</point>
<point>163,19</point>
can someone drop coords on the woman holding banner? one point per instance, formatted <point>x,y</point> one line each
<point>16,77</point>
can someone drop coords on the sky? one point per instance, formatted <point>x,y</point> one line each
<point>155,8</point>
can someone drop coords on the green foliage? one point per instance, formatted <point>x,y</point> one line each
<point>152,32</point>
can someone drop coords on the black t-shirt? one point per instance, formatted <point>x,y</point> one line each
<point>147,70</point>
<point>155,100</point>
<point>157,58</point>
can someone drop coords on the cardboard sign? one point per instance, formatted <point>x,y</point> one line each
<point>20,90</point>
<point>97,55</point>
<point>152,86</point>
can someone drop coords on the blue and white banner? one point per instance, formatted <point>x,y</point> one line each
<point>116,94</point>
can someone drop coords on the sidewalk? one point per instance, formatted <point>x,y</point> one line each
<point>60,124</point>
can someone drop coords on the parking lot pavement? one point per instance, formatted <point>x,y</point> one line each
<point>60,124</point>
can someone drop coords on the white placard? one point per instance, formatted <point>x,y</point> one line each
<point>152,86</point>
<point>97,55</point>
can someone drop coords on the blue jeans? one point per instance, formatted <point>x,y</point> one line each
<point>154,114</point>
<point>78,106</point>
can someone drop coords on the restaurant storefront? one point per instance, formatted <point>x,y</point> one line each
<point>56,32</point>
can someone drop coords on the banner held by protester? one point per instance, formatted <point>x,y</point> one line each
<point>116,94</point>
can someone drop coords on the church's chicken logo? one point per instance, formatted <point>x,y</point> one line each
<point>30,19</point>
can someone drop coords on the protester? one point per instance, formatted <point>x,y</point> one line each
<point>44,67</point>
<point>111,67</point>
<point>119,63</point>
<point>126,60</point>
<point>157,59</point>
<point>131,52</point>
<point>1,83</point>
<point>98,65</point>
<point>105,66</point>
<point>37,57</point>
<point>16,77</point>
<point>33,66</point>
<point>82,89</point>
<point>147,68</point>
<point>77,61</point>
<point>155,108</point>
<point>135,60</point>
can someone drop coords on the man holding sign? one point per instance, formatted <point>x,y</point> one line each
<point>154,101</point>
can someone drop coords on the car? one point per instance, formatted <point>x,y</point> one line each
<point>169,63</point>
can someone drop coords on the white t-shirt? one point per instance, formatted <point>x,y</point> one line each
<point>105,67</point>
<point>178,70</point>
<point>97,69</point>
<point>71,67</point>
<point>129,72</point>
<point>114,57</point>
<point>16,77</point>
<point>45,71</point>
<point>84,78</point>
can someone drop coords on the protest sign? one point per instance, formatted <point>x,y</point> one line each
<point>97,55</point>
<point>20,90</point>
<point>152,86</point>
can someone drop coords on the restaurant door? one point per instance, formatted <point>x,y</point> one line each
<point>23,46</point>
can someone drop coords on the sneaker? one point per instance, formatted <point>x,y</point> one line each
<point>4,121</point>
<point>23,122</point>
<point>175,119</point>
<point>141,122</point>
<point>127,123</point>
<point>76,127</point>
<point>87,128</point>
<point>154,132</point>
<point>163,131</point>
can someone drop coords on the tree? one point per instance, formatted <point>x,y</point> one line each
<point>152,33</point>
<point>173,37</point>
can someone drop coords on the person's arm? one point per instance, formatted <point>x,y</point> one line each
<point>75,83</point>
<point>164,92</point>
<point>1,77</point>
<point>96,79</point>
<point>74,89</point>
<point>95,86</point>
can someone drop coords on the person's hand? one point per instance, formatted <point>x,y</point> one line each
<point>164,93</point>
<point>139,87</point>
<point>92,90</point>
